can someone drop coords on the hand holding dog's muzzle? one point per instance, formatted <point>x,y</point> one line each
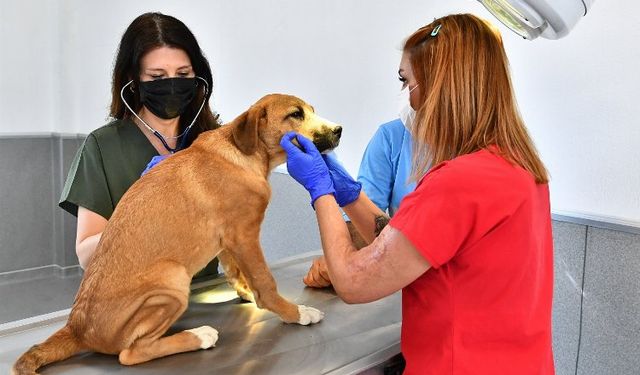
<point>347,189</point>
<point>306,166</point>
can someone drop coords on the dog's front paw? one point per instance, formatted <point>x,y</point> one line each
<point>309,315</point>
<point>207,335</point>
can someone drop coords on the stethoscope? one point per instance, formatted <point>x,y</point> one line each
<point>160,136</point>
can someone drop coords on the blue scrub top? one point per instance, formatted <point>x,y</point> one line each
<point>386,166</point>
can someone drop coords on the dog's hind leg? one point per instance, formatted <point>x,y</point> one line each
<point>234,276</point>
<point>193,339</point>
<point>250,260</point>
<point>162,306</point>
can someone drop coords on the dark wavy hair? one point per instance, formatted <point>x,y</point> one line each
<point>147,32</point>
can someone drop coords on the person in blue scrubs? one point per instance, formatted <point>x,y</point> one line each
<point>386,166</point>
<point>384,174</point>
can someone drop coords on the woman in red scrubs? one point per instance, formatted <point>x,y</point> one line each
<point>471,248</point>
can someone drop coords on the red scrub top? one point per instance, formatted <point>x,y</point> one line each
<point>484,306</point>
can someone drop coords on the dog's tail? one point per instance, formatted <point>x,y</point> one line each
<point>61,345</point>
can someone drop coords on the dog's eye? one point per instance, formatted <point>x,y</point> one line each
<point>299,114</point>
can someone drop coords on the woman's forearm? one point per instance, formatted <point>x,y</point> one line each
<point>365,216</point>
<point>373,272</point>
<point>336,244</point>
<point>88,232</point>
<point>86,248</point>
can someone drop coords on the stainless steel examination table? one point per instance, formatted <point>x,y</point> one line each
<point>351,339</point>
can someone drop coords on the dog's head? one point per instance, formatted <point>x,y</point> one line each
<point>276,114</point>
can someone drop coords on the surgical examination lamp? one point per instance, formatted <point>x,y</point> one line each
<point>550,19</point>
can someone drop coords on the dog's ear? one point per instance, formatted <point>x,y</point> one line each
<point>245,132</point>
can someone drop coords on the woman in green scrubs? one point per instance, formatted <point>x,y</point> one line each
<point>160,103</point>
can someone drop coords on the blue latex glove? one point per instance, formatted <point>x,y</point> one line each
<point>307,166</point>
<point>154,160</point>
<point>347,189</point>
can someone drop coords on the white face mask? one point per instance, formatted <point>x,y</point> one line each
<point>406,112</point>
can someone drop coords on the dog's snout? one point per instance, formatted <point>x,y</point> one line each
<point>337,131</point>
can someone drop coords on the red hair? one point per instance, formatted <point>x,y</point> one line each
<point>467,100</point>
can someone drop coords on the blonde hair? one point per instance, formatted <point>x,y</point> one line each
<point>467,102</point>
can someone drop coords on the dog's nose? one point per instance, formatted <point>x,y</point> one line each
<point>337,131</point>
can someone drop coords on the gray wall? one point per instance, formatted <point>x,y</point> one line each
<point>597,299</point>
<point>36,237</point>
<point>596,323</point>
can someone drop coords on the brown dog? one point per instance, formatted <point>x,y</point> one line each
<point>208,200</point>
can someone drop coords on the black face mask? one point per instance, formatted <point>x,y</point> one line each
<point>168,98</point>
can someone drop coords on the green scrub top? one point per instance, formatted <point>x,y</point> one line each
<point>109,161</point>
